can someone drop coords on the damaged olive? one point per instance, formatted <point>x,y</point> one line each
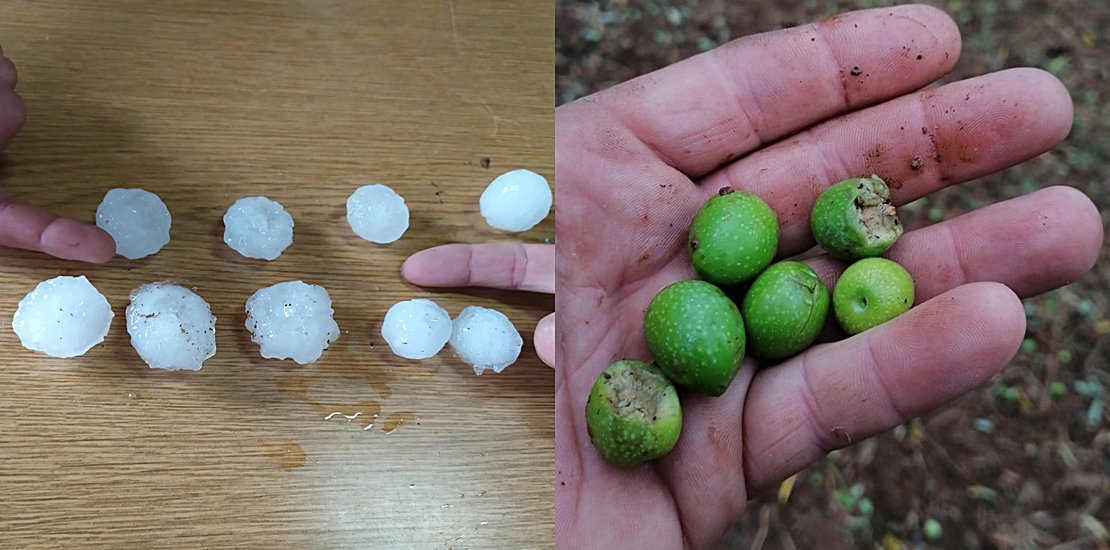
<point>633,414</point>
<point>855,219</point>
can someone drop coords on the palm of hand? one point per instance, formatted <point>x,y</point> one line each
<point>627,161</point>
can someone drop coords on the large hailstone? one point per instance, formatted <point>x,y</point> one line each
<point>377,213</point>
<point>416,329</point>
<point>258,227</point>
<point>486,339</point>
<point>138,221</point>
<point>63,317</point>
<point>292,320</point>
<point>516,201</point>
<point>171,326</point>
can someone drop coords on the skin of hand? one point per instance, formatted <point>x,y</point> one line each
<point>30,227</point>
<point>511,266</point>
<point>785,115</point>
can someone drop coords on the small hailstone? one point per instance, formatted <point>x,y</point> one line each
<point>416,329</point>
<point>377,213</point>
<point>292,320</point>
<point>258,227</point>
<point>516,201</point>
<point>138,221</point>
<point>485,338</point>
<point>63,317</point>
<point>171,327</point>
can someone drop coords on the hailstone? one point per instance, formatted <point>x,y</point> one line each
<point>63,317</point>
<point>292,320</point>
<point>416,329</point>
<point>485,338</point>
<point>377,213</point>
<point>258,227</point>
<point>171,327</point>
<point>516,201</point>
<point>138,221</point>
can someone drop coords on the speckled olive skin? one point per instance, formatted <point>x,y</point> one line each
<point>871,292</point>
<point>630,429</point>
<point>733,237</point>
<point>784,310</point>
<point>835,223</point>
<point>696,334</point>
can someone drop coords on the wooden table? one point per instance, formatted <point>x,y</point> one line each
<point>302,101</point>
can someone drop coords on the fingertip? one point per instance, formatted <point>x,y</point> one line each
<point>13,113</point>
<point>942,26</point>
<point>1073,218</point>
<point>70,239</point>
<point>1044,99</point>
<point>544,340</point>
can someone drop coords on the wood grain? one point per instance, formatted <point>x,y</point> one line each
<point>301,101</point>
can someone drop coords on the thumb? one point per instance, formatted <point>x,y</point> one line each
<point>544,340</point>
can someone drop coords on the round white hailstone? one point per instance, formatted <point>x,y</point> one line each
<point>63,317</point>
<point>377,213</point>
<point>292,320</point>
<point>258,227</point>
<point>485,338</point>
<point>171,326</point>
<point>516,201</point>
<point>138,220</point>
<point>416,329</point>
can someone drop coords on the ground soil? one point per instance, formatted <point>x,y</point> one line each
<point>1022,463</point>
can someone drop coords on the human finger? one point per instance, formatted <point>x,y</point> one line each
<point>13,113</point>
<point>705,111</point>
<point>31,227</point>
<point>8,73</point>
<point>918,144</point>
<point>1031,244</point>
<point>846,391</point>
<point>544,340</point>
<point>513,266</point>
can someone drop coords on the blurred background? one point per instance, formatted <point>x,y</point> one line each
<point>1022,463</point>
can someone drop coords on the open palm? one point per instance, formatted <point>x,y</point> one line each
<point>784,115</point>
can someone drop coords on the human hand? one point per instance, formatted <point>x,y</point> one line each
<point>26,226</point>
<point>512,266</point>
<point>785,115</point>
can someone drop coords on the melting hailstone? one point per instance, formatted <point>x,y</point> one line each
<point>485,338</point>
<point>138,221</point>
<point>171,327</point>
<point>292,320</point>
<point>258,227</point>
<point>377,213</point>
<point>416,329</point>
<point>63,317</point>
<point>516,201</point>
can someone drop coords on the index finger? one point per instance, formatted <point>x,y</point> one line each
<point>513,266</point>
<point>715,107</point>
<point>35,228</point>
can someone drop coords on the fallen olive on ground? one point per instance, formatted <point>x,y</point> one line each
<point>855,219</point>
<point>633,414</point>
<point>784,310</point>
<point>696,335</point>
<point>733,237</point>
<point>871,292</point>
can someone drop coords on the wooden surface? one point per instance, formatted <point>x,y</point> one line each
<point>302,101</point>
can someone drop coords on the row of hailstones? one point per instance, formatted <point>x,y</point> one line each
<point>173,328</point>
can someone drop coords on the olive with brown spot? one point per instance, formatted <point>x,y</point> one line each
<point>734,236</point>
